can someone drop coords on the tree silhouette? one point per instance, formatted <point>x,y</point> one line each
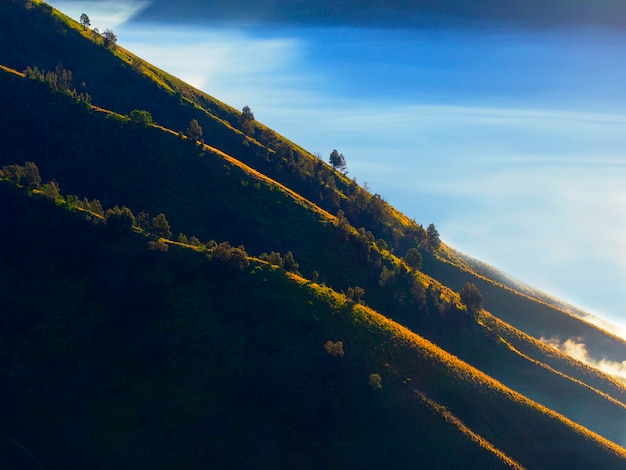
<point>160,227</point>
<point>141,116</point>
<point>32,179</point>
<point>337,161</point>
<point>246,120</point>
<point>110,39</point>
<point>119,219</point>
<point>194,131</point>
<point>434,241</point>
<point>85,21</point>
<point>413,259</point>
<point>289,263</point>
<point>471,297</point>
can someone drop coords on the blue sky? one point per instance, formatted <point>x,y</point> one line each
<point>511,140</point>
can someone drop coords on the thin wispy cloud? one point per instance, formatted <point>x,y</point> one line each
<point>103,14</point>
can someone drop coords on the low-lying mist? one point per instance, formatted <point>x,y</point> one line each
<point>574,347</point>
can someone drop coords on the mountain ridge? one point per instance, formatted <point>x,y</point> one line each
<point>274,198</point>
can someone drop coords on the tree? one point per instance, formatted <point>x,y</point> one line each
<point>110,39</point>
<point>227,255</point>
<point>51,190</point>
<point>246,120</point>
<point>141,116</point>
<point>471,297</point>
<point>246,114</point>
<point>343,225</point>
<point>120,219</point>
<point>375,381</point>
<point>433,237</point>
<point>355,294</point>
<point>289,263</point>
<point>85,21</point>
<point>334,349</point>
<point>194,131</point>
<point>159,227</point>
<point>413,259</point>
<point>338,161</point>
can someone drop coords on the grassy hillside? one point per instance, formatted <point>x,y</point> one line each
<point>158,359</point>
<point>118,81</point>
<point>245,348</point>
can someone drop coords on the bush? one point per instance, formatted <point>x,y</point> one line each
<point>120,219</point>
<point>334,349</point>
<point>375,381</point>
<point>141,117</point>
<point>471,297</point>
<point>227,255</point>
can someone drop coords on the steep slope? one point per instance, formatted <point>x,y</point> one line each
<point>232,190</point>
<point>255,199</point>
<point>119,81</point>
<point>40,36</point>
<point>122,354</point>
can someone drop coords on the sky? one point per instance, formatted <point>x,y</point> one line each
<point>508,136</point>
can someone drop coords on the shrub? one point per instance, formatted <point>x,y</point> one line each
<point>334,349</point>
<point>159,227</point>
<point>141,117</point>
<point>230,256</point>
<point>119,219</point>
<point>375,381</point>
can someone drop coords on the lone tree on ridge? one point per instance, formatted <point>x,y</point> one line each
<point>85,21</point>
<point>337,161</point>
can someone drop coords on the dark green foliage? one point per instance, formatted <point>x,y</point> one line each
<point>375,382</point>
<point>334,349</point>
<point>471,297</point>
<point>85,21</point>
<point>32,179</point>
<point>337,161</point>
<point>355,294</point>
<point>433,240</point>
<point>159,227</point>
<point>194,131</point>
<point>343,227</point>
<point>141,117</point>
<point>60,80</point>
<point>189,363</point>
<point>94,205</point>
<point>289,263</point>
<point>110,39</point>
<point>273,258</point>
<point>143,221</point>
<point>119,219</point>
<point>413,259</point>
<point>13,172</point>
<point>51,190</point>
<point>234,258</point>
<point>246,120</point>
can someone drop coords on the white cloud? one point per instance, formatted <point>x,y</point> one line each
<point>103,14</point>
<point>232,65</point>
<point>574,347</point>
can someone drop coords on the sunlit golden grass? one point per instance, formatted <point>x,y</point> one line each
<point>419,354</point>
<point>532,348</point>
<point>477,438</point>
<point>10,70</point>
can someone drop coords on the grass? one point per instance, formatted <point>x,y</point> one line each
<point>133,310</point>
